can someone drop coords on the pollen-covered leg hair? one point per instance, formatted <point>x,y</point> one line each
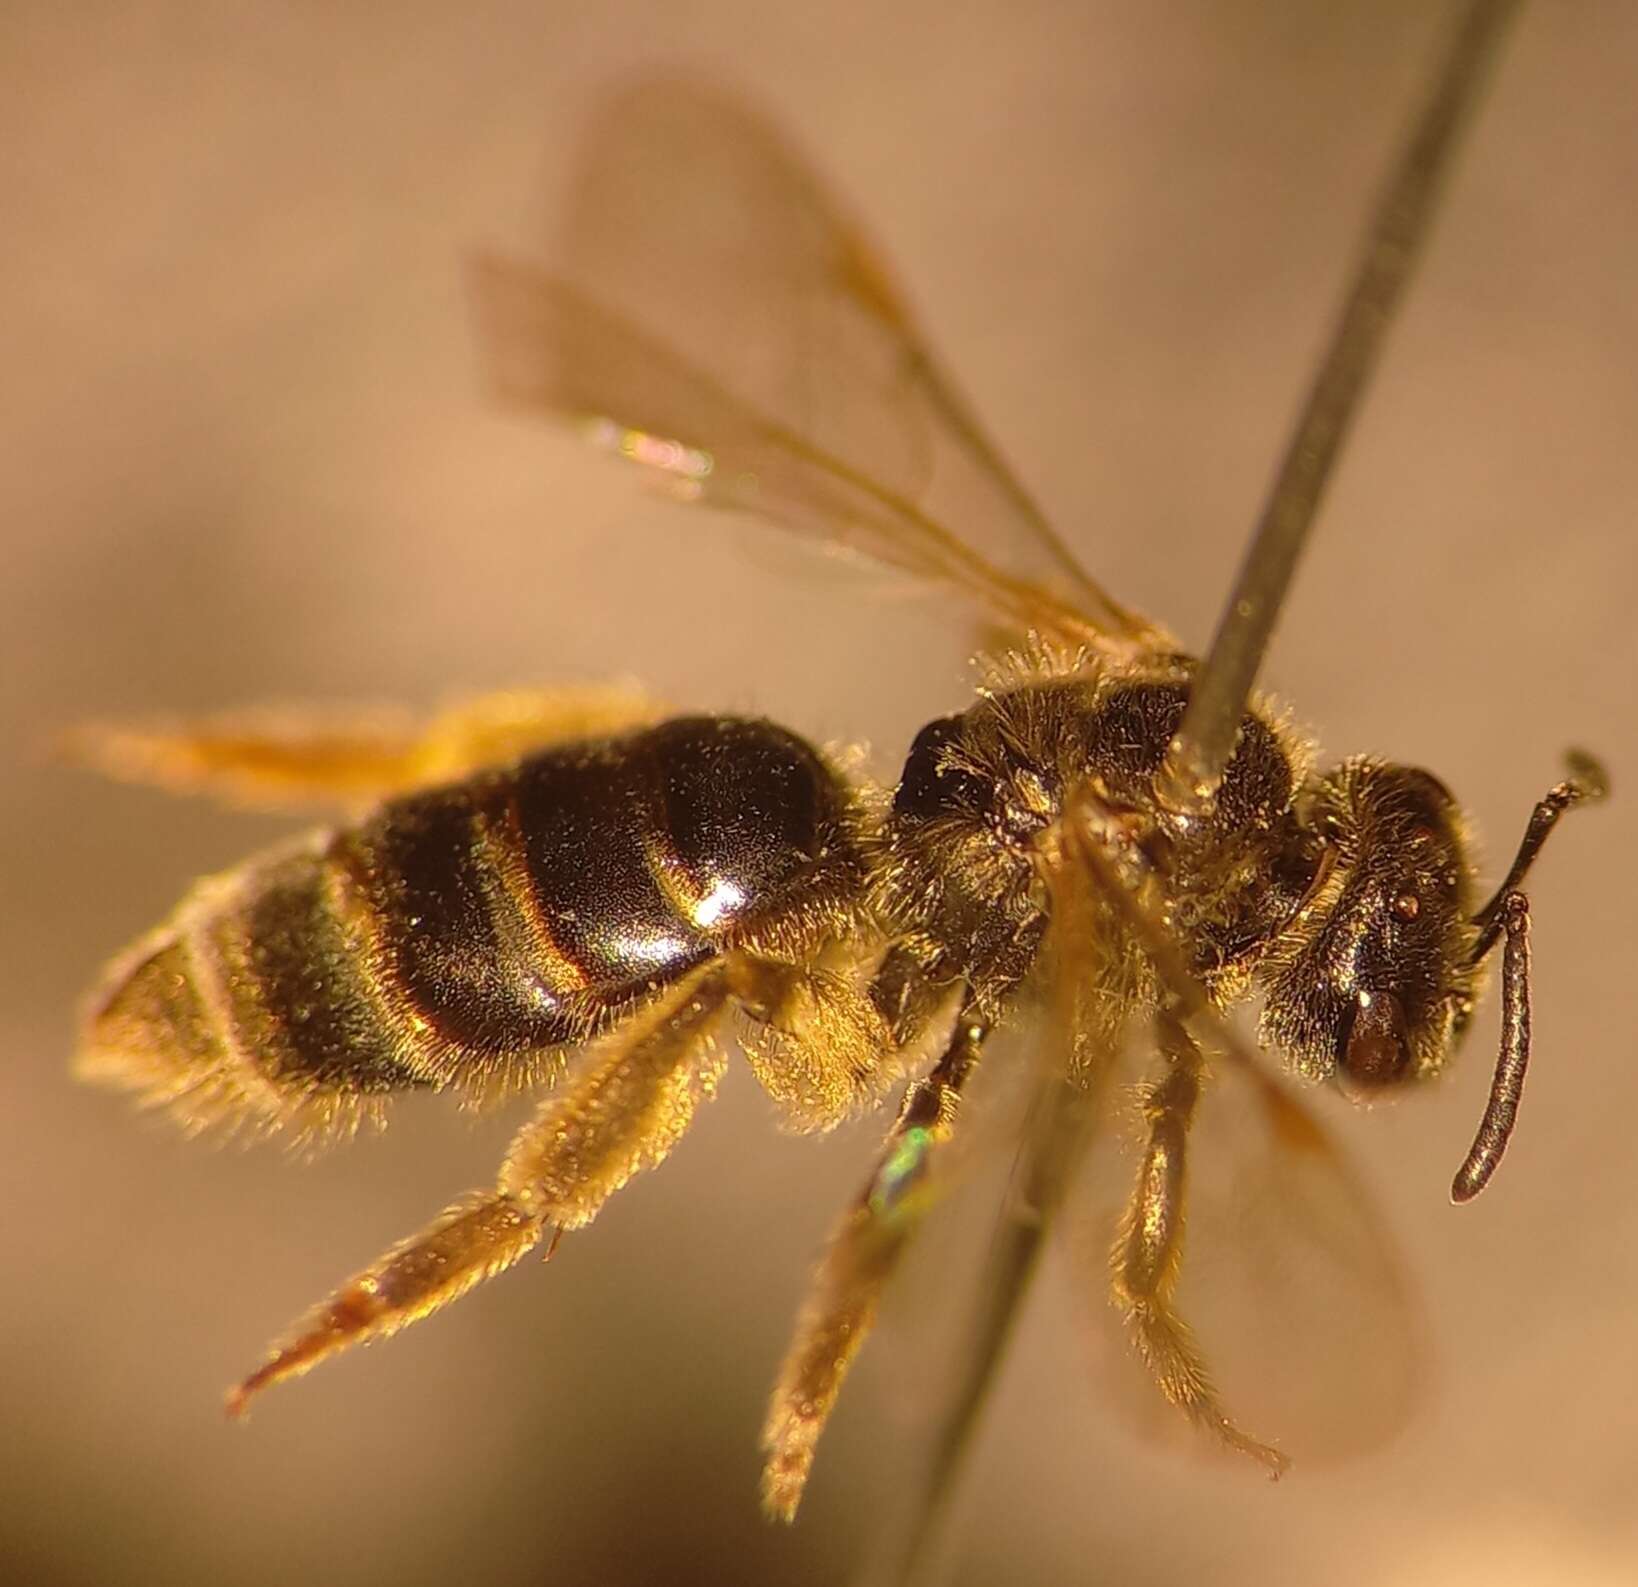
<point>864,1250</point>
<point>622,1110</point>
<point>812,1037</point>
<point>1148,1251</point>
<point>275,758</point>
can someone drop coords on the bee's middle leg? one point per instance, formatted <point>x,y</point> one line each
<point>864,1251</point>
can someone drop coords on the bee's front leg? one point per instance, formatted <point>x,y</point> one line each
<point>1148,1252</point>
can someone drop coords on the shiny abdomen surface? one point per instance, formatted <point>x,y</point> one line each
<point>458,930</point>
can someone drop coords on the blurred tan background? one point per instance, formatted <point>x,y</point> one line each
<point>243,456</point>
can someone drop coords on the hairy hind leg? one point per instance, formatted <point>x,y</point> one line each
<point>278,758</point>
<point>623,1109</point>
<point>1148,1251</point>
<point>813,1038</point>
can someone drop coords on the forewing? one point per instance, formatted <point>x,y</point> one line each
<point>1291,1282</point>
<point>709,312</point>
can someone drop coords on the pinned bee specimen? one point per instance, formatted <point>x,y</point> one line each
<point>575,896</point>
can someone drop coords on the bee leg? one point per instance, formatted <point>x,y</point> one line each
<point>865,1248</point>
<point>274,759</point>
<point>620,1112</point>
<point>812,1037</point>
<point>473,1239</point>
<point>1148,1251</point>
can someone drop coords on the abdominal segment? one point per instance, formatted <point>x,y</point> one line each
<point>466,936</point>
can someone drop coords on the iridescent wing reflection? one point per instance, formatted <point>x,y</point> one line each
<point>708,312</point>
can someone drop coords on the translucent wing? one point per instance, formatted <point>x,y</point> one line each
<point>288,757</point>
<point>1290,1283</point>
<point>709,313</point>
<point>1287,1324</point>
<point>1261,1289</point>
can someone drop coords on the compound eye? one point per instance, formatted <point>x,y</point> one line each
<point>1377,1053</point>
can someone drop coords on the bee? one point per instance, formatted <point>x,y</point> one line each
<point>577,894</point>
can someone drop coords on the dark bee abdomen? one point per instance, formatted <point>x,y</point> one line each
<point>461,932</point>
<point>515,911</point>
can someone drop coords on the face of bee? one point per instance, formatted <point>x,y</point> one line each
<point>1373,978</point>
